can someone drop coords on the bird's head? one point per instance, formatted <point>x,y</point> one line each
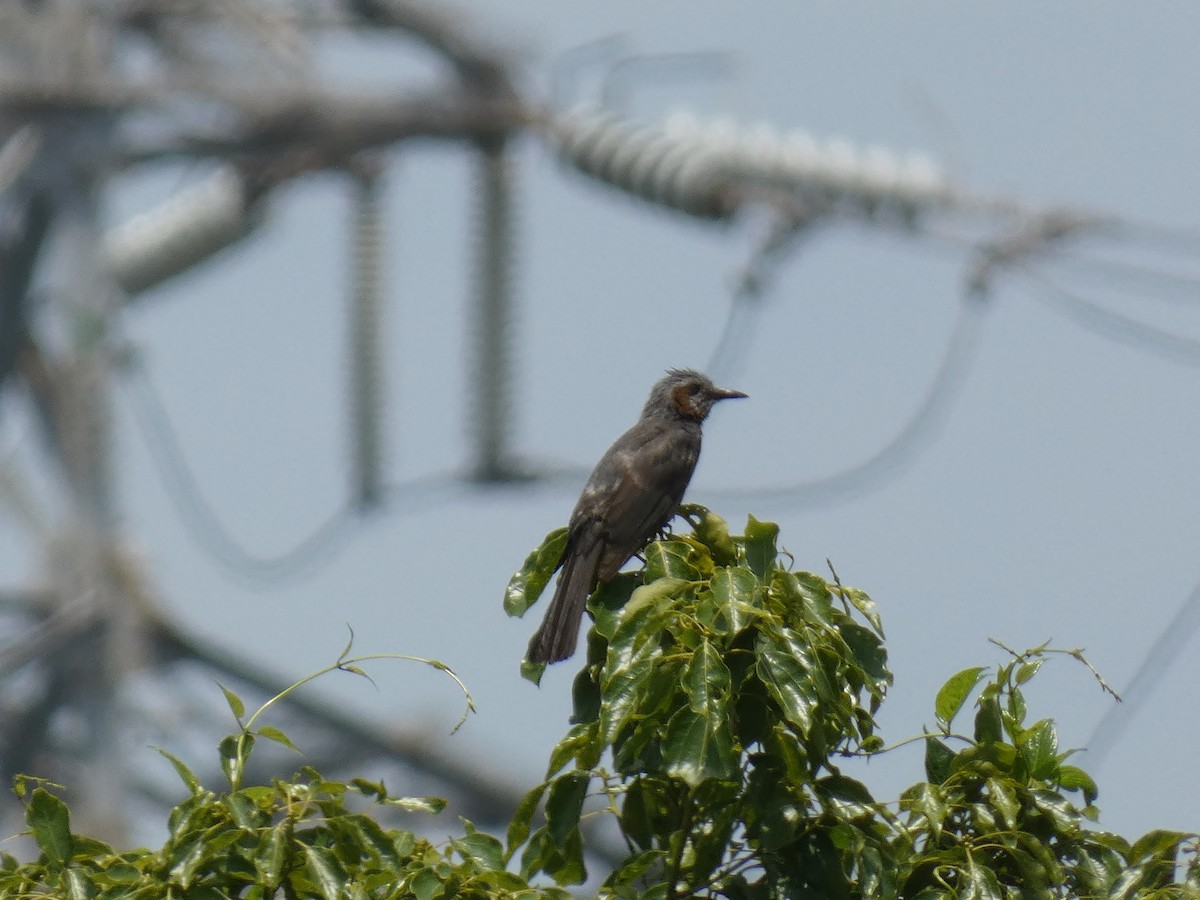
<point>686,393</point>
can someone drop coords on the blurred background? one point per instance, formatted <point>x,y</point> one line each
<point>315,315</point>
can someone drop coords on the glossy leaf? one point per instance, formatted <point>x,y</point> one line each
<point>482,849</point>
<point>1039,748</point>
<point>672,559</point>
<point>734,592</point>
<point>1004,800</point>
<point>787,681</point>
<point>527,584</point>
<point>699,747</point>
<point>706,679</point>
<point>325,871</point>
<point>954,693</point>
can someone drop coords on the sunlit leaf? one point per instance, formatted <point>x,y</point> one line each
<point>272,733</point>
<point>324,869</point>
<point>785,675</point>
<point>671,559</point>
<point>711,530</point>
<point>272,853</point>
<point>186,775</point>
<point>734,591</point>
<point>699,747</point>
<point>527,584</point>
<point>1039,748</point>
<point>1073,778</point>
<point>482,849</point>
<point>981,883</point>
<point>1004,800</point>
<point>706,679</point>
<point>235,702</point>
<point>954,693</point>
<point>432,805</point>
<point>1028,669</point>
<point>760,549</point>
<point>626,682</point>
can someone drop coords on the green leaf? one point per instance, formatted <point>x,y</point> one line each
<point>866,606</point>
<point>79,885</point>
<point>433,805</point>
<point>631,655</point>
<point>186,775</point>
<point>639,810</point>
<point>50,822</point>
<point>712,531</point>
<point>272,733</point>
<point>988,724</point>
<point>522,819</point>
<point>1073,778</point>
<point>1158,844</point>
<point>580,741</point>
<point>1039,748</point>
<point>1028,669</point>
<point>565,804</point>
<point>532,671</point>
<point>233,751</point>
<point>699,747</point>
<point>927,800</point>
<point>482,849</point>
<point>186,859</point>
<point>245,811</point>
<point>938,758</point>
<point>1004,800</point>
<point>759,543</point>
<point>785,674</point>
<point>706,679</point>
<point>671,559</point>
<point>981,883</point>
<point>585,697</point>
<point>324,869</point>
<point>235,702</point>
<point>734,590</point>
<point>272,853</point>
<point>527,584</point>
<point>953,694</point>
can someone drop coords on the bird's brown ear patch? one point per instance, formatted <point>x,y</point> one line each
<point>681,396</point>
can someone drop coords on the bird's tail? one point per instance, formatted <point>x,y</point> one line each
<point>556,637</point>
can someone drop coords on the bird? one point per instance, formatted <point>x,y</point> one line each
<point>633,492</point>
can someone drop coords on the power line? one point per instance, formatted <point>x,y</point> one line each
<point>1163,653</point>
<point>903,449</point>
<point>200,517</point>
<point>1109,323</point>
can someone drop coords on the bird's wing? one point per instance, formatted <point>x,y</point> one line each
<point>651,467</point>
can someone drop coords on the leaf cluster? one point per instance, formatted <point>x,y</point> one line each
<point>721,692</point>
<point>296,838</point>
<point>721,696</point>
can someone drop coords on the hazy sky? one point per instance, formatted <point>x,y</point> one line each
<point>1059,501</point>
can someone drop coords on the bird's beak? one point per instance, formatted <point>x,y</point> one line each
<point>726,394</point>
